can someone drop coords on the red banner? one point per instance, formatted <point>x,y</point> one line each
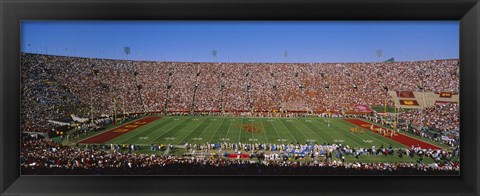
<point>405,94</point>
<point>409,102</point>
<point>362,108</point>
<point>242,156</point>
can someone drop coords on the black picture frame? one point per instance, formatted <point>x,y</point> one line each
<point>12,12</point>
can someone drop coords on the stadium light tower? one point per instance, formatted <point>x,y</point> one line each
<point>214,54</point>
<point>126,50</point>
<point>91,105</point>
<point>379,54</point>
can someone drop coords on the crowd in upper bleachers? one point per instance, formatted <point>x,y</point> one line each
<point>56,86</point>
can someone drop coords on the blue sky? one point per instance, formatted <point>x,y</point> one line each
<point>245,41</point>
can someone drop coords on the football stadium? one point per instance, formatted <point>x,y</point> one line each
<point>85,116</point>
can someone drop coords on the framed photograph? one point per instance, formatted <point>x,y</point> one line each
<point>240,97</point>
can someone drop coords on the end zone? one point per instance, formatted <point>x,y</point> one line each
<point>107,136</point>
<point>398,137</point>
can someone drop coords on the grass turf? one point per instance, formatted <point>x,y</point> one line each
<point>177,130</point>
<point>201,129</point>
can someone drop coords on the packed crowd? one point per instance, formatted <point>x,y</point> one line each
<point>43,156</point>
<point>87,87</point>
<point>442,120</point>
<point>43,98</point>
<point>444,117</point>
<point>314,151</point>
<point>54,87</point>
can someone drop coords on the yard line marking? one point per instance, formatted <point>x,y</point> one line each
<point>240,134</point>
<point>209,125</point>
<point>166,131</point>
<point>382,142</point>
<point>192,130</point>
<point>311,130</point>
<point>253,138</point>
<point>299,131</point>
<point>346,136</point>
<point>146,130</point>
<point>216,130</point>
<point>289,131</point>
<point>231,122</point>
<point>274,128</point>
<point>264,130</point>
<point>325,133</point>
<point>336,132</point>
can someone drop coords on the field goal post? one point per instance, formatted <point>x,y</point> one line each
<point>115,119</point>
<point>114,111</point>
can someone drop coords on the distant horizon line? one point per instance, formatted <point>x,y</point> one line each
<point>350,62</point>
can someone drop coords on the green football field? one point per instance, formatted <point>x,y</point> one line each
<point>178,130</point>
